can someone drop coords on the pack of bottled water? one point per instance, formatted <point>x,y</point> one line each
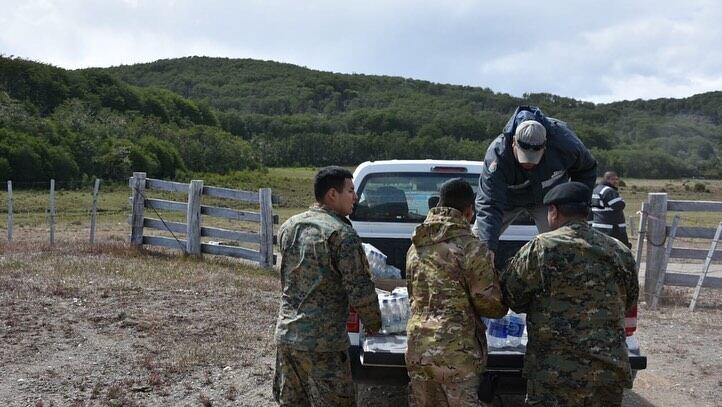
<point>515,328</point>
<point>508,331</point>
<point>377,264</point>
<point>394,311</point>
<point>392,272</point>
<point>376,259</point>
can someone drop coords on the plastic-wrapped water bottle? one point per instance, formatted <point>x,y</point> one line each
<point>385,316</point>
<point>377,261</point>
<point>515,328</point>
<point>392,272</point>
<point>496,332</point>
<point>406,310</point>
<point>397,321</point>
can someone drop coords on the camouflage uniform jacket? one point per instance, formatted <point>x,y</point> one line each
<point>323,271</point>
<point>575,285</point>
<point>451,285</point>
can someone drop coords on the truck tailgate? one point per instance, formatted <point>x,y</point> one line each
<point>388,351</point>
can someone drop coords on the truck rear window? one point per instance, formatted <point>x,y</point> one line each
<point>402,197</point>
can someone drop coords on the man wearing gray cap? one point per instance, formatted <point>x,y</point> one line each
<point>533,154</point>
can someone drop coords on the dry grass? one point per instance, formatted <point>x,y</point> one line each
<point>154,322</point>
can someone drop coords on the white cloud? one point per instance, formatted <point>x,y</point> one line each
<point>596,51</point>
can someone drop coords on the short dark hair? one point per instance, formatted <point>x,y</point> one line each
<point>609,174</point>
<point>456,193</point>
<point>573,210</point>
<point>327,178</point>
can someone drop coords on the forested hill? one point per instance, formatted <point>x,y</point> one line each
<point>198,114</point>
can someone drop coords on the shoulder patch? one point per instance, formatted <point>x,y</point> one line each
<point>492,166</point>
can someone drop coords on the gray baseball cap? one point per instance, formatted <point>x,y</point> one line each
<point>530,141</point>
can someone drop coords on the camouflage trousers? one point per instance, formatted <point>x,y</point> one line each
<point>316,379</point>
<point>427,393</point>
<point>539,393</point>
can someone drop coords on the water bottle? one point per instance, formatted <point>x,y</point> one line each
<point>385,317</point>
<point>405,309</point>
<point>515,328</point>
<point>372,264</point>
<point>396,315</point>
<point>496,332</point>
<point>377,264</point>
<point>376,259</point>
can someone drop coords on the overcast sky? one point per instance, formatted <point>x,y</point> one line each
<point>598,51</point>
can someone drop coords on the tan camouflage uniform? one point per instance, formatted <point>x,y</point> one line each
<point>575,285</point>
<point>323,271</point>
<point>451,285</point>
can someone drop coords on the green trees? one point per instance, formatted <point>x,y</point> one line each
<point>25,158</point>
<point>223,115</point>
<point>64,124</point>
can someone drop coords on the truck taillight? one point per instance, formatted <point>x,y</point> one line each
<point>352,324</point>
<point>630,321</point>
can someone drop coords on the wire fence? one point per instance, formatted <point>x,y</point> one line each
<point>26,209</point>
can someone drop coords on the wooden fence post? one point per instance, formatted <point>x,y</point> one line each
<point>656,236</point>
<point>659,285</point>
<point>193,218</point>
<point>137,183</point>
<point>94,210</point>
<point>10,211</point>
<point>51,218</point>
<point>266,249</point>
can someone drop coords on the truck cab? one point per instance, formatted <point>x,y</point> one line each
<point>394,197</point>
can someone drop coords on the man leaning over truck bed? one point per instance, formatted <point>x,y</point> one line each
<point>323,271</point>
<point>451,284</point>
<point>575,284</point>
<point>533,154</point>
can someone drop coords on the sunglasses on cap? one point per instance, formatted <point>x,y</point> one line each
<point>527,146</point>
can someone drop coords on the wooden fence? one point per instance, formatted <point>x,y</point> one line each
<point>660,247</point>
<point>194,209</point>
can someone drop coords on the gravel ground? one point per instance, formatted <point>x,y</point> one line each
<point>107,325</point>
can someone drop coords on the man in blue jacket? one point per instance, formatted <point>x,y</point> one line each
<point>532,155</point>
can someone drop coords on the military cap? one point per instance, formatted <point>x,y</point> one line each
<point>568,192</point>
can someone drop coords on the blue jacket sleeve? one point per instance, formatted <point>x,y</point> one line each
<point>490,199</point>
<point>584,169</point>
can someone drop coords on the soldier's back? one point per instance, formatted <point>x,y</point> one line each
<point>578,319</point>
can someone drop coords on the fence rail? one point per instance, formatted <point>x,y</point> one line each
<point>194,209</point>
<point>660,239</point>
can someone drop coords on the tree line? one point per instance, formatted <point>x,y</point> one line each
<point>172,118</point>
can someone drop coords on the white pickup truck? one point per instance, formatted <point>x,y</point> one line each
<point>394,197</point>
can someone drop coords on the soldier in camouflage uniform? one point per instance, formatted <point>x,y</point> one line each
<point>575,284</point>
<point>451,284</point>
<point>323,271</point>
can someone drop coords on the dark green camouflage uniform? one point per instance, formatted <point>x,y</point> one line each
<point>323,271</point>
<point>575,285</point>
<point>451,284</point>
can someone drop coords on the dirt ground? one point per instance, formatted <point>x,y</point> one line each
<point>107,325</point>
